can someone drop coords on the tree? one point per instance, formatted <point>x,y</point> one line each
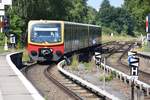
<point>91,15</point>
<point>78,11</point>
<point>105,13</point>
<point>138,9</point>
<point>118,19</point>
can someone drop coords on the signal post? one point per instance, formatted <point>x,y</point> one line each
<point>98,61</point>
<point>134,66</point>
<point>148,29</point>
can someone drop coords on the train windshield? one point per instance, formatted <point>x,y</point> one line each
<point>42,33</point>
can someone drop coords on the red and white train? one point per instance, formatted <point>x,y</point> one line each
<point>50,40</point>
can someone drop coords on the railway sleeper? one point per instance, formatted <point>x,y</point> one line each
<point>93,99</point>
<point>76,88</point>
<point>70,85</point>
<point>85,94</point>
<point>66,82</point>
<point>147,98</point>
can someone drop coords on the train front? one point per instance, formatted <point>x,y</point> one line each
<point>45,40</point>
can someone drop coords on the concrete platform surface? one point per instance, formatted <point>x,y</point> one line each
<point>13,85</point>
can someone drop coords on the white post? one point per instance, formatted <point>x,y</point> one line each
<point>5,46</point>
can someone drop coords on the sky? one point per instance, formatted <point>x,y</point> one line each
<point>96,3</point>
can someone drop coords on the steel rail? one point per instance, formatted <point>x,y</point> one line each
<point>54,80</point>
<point>88,85</point>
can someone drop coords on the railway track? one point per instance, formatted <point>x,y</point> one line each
<point>47,78</point>
<point>74,88</point>
<point>143,76</point>
<point>118,62</point>
<point>114,58</point>
<point>47,88</point>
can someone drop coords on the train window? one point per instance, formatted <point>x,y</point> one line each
<point>50,33</point>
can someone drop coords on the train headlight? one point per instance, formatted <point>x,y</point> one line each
<point>51,50</point>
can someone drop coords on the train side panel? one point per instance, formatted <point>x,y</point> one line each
<point>78,36</point>
<point>94,35</point>
<point>75,37</point>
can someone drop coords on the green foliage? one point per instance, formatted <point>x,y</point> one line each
<point>2,38</point>
<point>117,19</point>
<point>107,77</point>
<point>138,9</point>
<point>89,66</point>
<point>25,55</point>
<point>78,11</point>
<point>146,48</point>
<point>105,13</point>
<point>75,63</point>
<point>91,15</point>
<point>106,30</point>
<point>117,37</point>
<point>113,73</point>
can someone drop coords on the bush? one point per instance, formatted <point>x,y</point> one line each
<point>107,30</point>
<point>89,66</point>
<point>75,63</point>
<point>2,38</point>
<point>108,77</point>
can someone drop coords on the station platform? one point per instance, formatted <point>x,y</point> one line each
<point>13,85</point>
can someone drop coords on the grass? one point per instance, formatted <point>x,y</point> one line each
<point>25,53</point>
<point>144,48</point>
<point>89,66</point>
<point>75,63</point>
<point>107,38</point>
<point>25,56</point>
<point>108,77</point>
<point>4,51</point>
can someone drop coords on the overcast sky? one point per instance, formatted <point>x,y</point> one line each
<point>96,3</point>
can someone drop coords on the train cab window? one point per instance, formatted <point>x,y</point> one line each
<point>50,33</point>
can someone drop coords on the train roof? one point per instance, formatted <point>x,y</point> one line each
<point>82,24</point>
<point>65,22</point>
